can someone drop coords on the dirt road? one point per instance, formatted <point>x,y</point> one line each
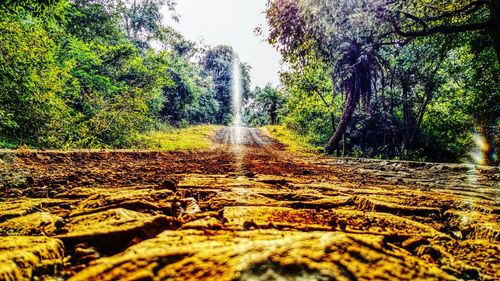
<point>244,210</point>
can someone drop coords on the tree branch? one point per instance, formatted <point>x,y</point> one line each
<point>442,29</point>
<point>468,9</point>
<point>414,18</point>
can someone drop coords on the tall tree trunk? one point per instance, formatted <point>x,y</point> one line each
<point>391,105</point>
<point>420,117</point>
<point>349,108</point>
<point>358,82</point>
<point>273,115</point>
<point>343,145</point>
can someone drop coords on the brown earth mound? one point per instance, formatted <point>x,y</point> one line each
<point>244,211</point>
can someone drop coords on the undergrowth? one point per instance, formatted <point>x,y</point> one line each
<point>294,142</point>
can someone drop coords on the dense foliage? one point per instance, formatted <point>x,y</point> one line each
<point>218,63</point>
<point>97,73</point>
<point>374,78</point>
<point>397,79</point>
<point>264,106</point>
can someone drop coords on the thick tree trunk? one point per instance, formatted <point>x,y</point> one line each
<point>273,115</point>
<point>353,86</point>
<point>343,145</point>
<point>349,108</point>
<point>273,118</point>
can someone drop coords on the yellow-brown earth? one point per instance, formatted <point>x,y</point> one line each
<point>244,212</point>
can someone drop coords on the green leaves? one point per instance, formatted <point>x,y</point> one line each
<point>47,10</point>
<point>265,107</point>
<point>64,87</point>
<point>32,83</point>
<point>426,80</point>
<point>217,63</point>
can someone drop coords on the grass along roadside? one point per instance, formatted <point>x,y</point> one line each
<point>190,138</point>
<point>294,143</point>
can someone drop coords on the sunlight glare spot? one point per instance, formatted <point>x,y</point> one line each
<point>481,147</point>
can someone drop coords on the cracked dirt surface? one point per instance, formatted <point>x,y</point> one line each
<point>259,213</point>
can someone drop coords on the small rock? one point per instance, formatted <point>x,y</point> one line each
<point>169,184</point>
<point>472,273</point>
<point>101,229</point>
<point>248,225</point>
<point>203,224</point>
<point>83,254</point>
<point>81,251</point>
<point>39,223</point>
<point>60,223</point>
<point>14,192</point>
<point>250,174</point>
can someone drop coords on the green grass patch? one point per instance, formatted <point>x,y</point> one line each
<point>5,144</point>
<point>294,142</point>
<point>190,138</point>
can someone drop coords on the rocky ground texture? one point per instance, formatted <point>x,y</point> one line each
<point>248,211</point>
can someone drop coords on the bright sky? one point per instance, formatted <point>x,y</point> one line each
<point>231,22</point>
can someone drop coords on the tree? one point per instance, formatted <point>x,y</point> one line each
<point>205,108</point>
<point>217,63</point>
<point>48,10</point>
<point>265,105</point>
<point>296,26</point>
<point>94,21</point>
<point>470,99</point>
<point>142,19</point>
<point>311,103</point>
<point>417,18</point>
<point>32,83</point>
<point>182,92</point>
<point>139,20</point>
<point>372,56</point>
<point>74,87</point>
<point>271,100</point>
